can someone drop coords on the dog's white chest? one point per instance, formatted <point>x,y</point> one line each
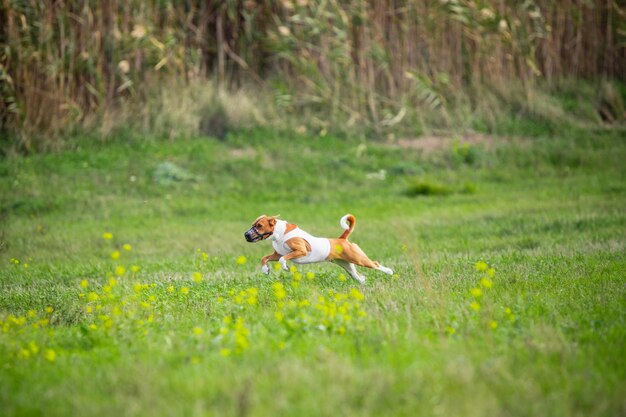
<point>320,247</point>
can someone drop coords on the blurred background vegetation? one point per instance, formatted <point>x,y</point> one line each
<point>378,68</point>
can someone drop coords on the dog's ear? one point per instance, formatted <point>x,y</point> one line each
<point>272,221</point>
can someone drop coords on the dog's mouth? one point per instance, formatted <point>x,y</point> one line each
<point>253,235</point>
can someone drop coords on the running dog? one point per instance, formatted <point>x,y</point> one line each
<point>294,244</point>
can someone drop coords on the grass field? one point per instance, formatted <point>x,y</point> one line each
<point>127,287</point>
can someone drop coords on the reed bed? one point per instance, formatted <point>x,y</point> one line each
<point>363,62</point>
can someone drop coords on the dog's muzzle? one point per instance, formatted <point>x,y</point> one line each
<point>253,235</point>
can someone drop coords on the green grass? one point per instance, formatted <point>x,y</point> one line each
<point>547,214</point>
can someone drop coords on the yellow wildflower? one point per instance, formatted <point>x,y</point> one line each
<point>277,266</point>
<point>184,290</point>
<point>450,330</point>
<point>84,283</point>
<point>170,288</point>
<point>481,266</point>
<point>89,309</point>
<point>31,313</point>
<point>112,282</point>
<point>293,269</point>
<point>356,294</point>
<point>476,292</point>
<point>92,326</point>
<point>134,269</point>
<point>224,352</point>
<point>475,306</point>
<point>342,277</point>
<point>107,236</point>
<point>310,275</point>
<point>241,260</point>
<point>49,309</point>
<point>115,254</point>
<point>241,341</point>
<point>486,282</point>
<point>279,291</point>
<point>197,277</point>
<point>197,331</point>
<point>50,355</point>
<point>126,247</point>
<point>491,272</point>
<point>493,324</point>
<point>238,299</point>
<point>120,270</point>
<point>279,316</point>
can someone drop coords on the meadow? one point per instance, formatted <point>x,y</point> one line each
<point>127,287</point>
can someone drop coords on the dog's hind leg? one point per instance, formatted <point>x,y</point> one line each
<point>354,254</point>
<point>350,269</point>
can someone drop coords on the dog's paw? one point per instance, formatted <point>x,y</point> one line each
<point>265,269</point>
<point>283,264</point>
<point>386,270</point>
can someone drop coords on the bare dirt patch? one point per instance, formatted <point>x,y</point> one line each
<point>431,144</point>
<point>243,153</point>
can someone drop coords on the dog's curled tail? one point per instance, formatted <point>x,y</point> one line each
<point>347,222</point>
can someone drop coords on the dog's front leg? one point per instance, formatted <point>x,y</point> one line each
<point>299,248</point>
<point>273,257</point>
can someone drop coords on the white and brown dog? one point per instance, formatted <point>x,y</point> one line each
<point>292,243</point>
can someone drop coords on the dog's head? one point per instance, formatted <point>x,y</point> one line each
<point>262,228</point>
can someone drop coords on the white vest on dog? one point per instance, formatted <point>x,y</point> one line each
<point>320,247</point>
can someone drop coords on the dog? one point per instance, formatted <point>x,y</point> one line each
<point>294,244</point>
